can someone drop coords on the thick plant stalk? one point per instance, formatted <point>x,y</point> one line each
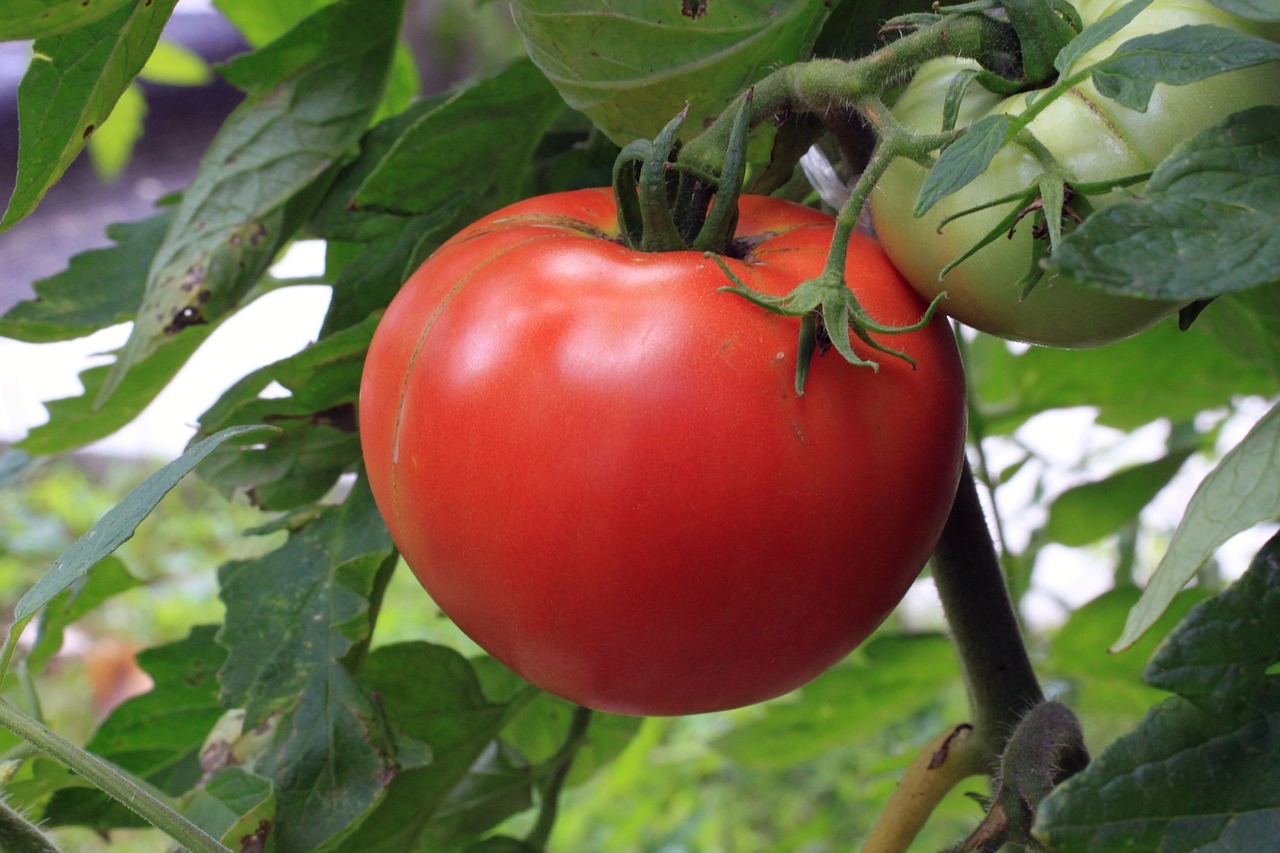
<point>110,781</point>
<point>1002,685</point>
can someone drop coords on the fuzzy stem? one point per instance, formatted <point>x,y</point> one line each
<point>945,762</point>
<point>111,781</point>
<point>1002,685</point>
<point>19,835</point>
<point>822,86</point>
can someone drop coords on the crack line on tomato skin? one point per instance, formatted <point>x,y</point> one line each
<point>417,348</point>
<point>1095,108</point>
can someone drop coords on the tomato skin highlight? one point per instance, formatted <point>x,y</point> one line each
<point>1094,139</point>
<point>598,467</point>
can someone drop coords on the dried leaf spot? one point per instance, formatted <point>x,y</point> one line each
<point>257,841</point>
<point>693,9</point>
<point>192,278</point>
<point>185,318</point>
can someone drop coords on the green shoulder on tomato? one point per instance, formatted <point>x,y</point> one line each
<point>1094,139</point>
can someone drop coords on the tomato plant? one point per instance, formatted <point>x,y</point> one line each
<point>600,460</point>
<point>599,467</point>
<point>1094,139</point>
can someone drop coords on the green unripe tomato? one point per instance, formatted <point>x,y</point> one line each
<point>1093,138</point>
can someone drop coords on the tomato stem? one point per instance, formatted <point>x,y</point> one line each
<point>111,780</point>
<point>823,86</point>
<point>561,763</point>
<point>975,598</point>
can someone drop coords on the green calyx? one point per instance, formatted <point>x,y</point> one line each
<point>666,206</point>
<point>829,316</point>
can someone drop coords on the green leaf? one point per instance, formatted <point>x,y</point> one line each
<point>261,23</point>
<point>478,139</point>
<point>630,70</point>
<point>502,844</point>
<point>337,217</point>
<point>1199,773</point>
<point>498,785</point>
<point>70,88</point>
<point>155,736</point>
<point>891,678</point>
<point>172,64</point>
<point>1221,655</point>
<point>77,421</point>
<point>319,83</point>
<point>292,616</point>
<point>1248,324</point>
<point>1088,512</point>
<point>1176,57</point>
<point>1105,688</point>
<point>99,288</point>
<point>316,439</point>
<point>433,695</point>
<point>334,766</point>
<point>1162,373</point>
<point>367,284</point>
<point>963,160</point>
<point>117,526</point>
<point>21,20</point>
<point>1096,33</point>
<point>1207,223</point>
<point>235,806</point>
<point>109,577</point>
<point>1241,492</point>
<point>1254,10</point>
<point>289,614</point>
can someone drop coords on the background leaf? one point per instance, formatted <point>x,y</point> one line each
<point>298,612</point>
<point>1162,373</point>
<point>99,288</point>
<point>34,19</point>
<point>1236,495</point>
<point>464,146</point>
<point>1090,511</point>
<point>70,88</point>
<point>117,525</point>
<point>236,213</point>
<point>1199,772</point>
<point>892,677</point>
<point>1255,10</point>
<point>155,736</point>
<point>434,696</point>
<point>631,67</point>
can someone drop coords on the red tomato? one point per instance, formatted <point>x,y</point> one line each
<point>597,464</point>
